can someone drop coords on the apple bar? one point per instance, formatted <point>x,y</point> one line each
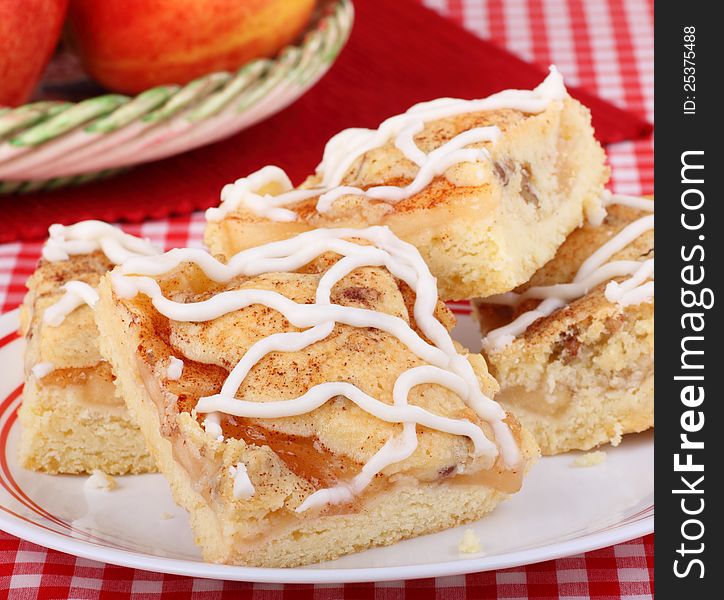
<point>573,349</point>
<point>305,406</point>
<point>487,190</point>
<point>72,419</point>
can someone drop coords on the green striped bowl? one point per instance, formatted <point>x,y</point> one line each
<point>48,144</point>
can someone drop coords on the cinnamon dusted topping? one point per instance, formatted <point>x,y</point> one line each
<point>201,324</point>
<point>366,296</point>
<point>426,142</point>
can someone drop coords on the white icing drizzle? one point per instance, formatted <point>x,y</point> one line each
<point>617,243</point>
<point>434,164</point>
<point>41,369</point>
<point>396,449</point>
<point>76,294</point>
<point>248,190</point>
<point>405,142</point>
<point>595,270</point>
<point>243,487</point>
<point>347,146</point>
<point>446,366</point>
<point>634,290</point>
<point>631,201</point>
<point>175,368</point>
<point>595,216</point>
<point>85,237</point>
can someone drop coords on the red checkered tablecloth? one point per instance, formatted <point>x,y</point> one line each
<point>606,46</point>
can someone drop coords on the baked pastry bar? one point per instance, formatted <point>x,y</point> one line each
<point>272,392</point>
<point>486,189</point>
<point>584,374</point>
<point>72,420</point>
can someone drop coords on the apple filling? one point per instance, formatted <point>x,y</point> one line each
<point>94,386</point>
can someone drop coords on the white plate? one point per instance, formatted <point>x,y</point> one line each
<point>560,511</point>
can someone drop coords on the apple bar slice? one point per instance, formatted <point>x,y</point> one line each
<point>305,400</point>
<point>487,190</point>
<point>573,349</point>
<point>72,419</point>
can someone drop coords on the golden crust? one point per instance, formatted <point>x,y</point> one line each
<point>78,426</point>
<point>484,227</point>
<point>289,458</point>
<point>583,375</point>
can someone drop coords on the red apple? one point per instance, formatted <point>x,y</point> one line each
<point>132,45</point>
<point>29,32</point>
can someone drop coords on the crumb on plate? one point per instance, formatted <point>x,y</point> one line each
<point>99,480</point>
<point>589,459</point>
<point>470,543</point>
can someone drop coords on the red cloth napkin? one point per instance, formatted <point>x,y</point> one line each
<point>400,53</point>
